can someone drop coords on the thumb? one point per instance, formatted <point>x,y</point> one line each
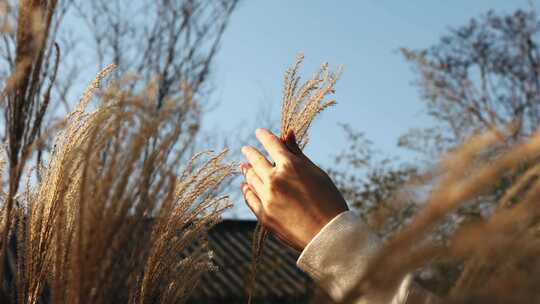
<point>292,145</point>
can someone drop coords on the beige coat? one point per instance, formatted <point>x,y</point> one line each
<point>338,255</point>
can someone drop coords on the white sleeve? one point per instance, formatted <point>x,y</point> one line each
<point>338,256</point>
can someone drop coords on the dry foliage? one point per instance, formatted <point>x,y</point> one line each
<point>376,186</point>
<point>499,252</point>
<point>113,215</point>
<point>481,74</point>
<point>105,184</point>
<point>300,105</point>
<point>113,175</point>
<point>102,184</point>
<point>25,107</point>
<point>476,77</point>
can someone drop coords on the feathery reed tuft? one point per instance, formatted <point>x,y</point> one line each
<point>498,252</point>
<point>114,214</point>
<point>25,106</point>
<point>116,217</point>
<point>300,105</point>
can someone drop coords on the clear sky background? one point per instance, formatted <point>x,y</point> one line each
<point>375,94</point>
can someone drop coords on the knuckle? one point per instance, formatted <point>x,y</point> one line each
<point>287,163</point>
<point>291,165</point>
<point>249,174</point>
<point>258,157</point>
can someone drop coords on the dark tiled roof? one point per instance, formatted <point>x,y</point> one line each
<point>278,277</point>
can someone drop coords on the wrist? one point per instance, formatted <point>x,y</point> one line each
<point>319,227</point>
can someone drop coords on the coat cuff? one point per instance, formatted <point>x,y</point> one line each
<point>338,255</point>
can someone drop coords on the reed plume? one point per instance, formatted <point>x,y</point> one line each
<point>115,209</point>
<point>497,252</point>
<point>26,96</point>
<point>114,213</point>
<point>116,217</point>
<point>300,105</point>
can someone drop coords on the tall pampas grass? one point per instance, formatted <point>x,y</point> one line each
<point>25,96</point>
<point>301,103</point>
<point>114,213</point>
<point>114,216</point>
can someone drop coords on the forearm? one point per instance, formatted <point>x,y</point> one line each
<point>338,256</point>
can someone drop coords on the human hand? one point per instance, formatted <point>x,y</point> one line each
<point>294,198</point>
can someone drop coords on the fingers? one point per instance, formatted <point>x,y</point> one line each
<point>273,145</point>
<point>252,178</point>
<point>259,163</point>
<point>253,202</point>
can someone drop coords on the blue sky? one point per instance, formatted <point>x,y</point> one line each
<point>375,94</point>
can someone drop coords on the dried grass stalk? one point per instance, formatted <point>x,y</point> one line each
<point>115,218</point>
<point>25,106</point>
<point>490,273</point>
<point>300,105</point>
